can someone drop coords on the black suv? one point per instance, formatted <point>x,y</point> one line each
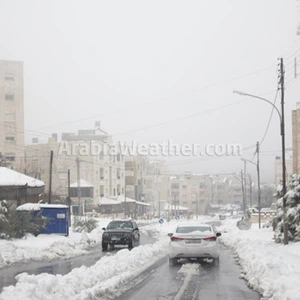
<point>120,232</point>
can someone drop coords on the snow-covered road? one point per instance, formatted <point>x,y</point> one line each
<point>271,269</point>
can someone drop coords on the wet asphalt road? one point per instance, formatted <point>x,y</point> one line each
<point>163,282</point>
<point>160,281</point>
<point>7,275</point>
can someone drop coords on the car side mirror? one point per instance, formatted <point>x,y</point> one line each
<point>218,234</point>
<point>103,228</point>
<point>170,234</point>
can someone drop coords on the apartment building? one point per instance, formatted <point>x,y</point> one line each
<point>191,191</point>
<point>86,155</point>
<point>289,162</point>
<point>135,176</point>
<point>11,114</point>
<point>157,184</point>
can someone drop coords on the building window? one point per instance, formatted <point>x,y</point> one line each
<point>114,192</point>
<point>9,96</point>
<point>10,138</point>
<point>101,190</point>
<point>101,173</point>
<point>9,78</point>
<point>175,186</point>
<point>118,157</point>
<point>118,173</point>
<point>202,186</point>
<point>10,157</point>
<point>9,117</point>
<point>118,189</point>
<point>184,186</point>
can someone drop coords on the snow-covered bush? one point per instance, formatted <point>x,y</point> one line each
<point>81,224</point>
<point>15,224</point>
<point>292,211</point>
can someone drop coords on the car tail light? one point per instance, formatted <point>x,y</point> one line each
<point>176,239</point>
<point>210,239</point>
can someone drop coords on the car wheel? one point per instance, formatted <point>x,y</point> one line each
<point>130,244</point>
<point>172,261</point>
<point>104,246</point>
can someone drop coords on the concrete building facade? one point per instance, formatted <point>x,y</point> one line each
<point>11,114</point>
<point>105,171</point>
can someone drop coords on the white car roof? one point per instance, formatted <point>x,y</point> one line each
<point>193,225</point>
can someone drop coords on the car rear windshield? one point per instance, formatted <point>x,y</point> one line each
<point>119,225</point>
<point>190,229</point>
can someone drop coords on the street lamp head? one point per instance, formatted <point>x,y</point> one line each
<point>239,93</point>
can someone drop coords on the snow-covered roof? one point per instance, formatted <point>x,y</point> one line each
<point>83,184</point>
<point>143,203</point>
<point>10,177</point>
<point>107,201</point>
<point>121,198</point>
<point>38,206</point>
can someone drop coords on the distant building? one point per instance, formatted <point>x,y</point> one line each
<point>278,169</point>
<point>135,176</point>
<point>12,114</point>
<point>296,139</point>
<point>104,171</point>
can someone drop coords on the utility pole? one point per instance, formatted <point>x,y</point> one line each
<point>258,185</point>
<point>78,185</point>
<point>243,190</point>
<point>175,204</point>
<point>125,212</point>
<point>69,198</point>
<point>245,181</point>
<point>250,190</point>
<point>159,206</point>
<point>285,225</point>
<point>50,178</point>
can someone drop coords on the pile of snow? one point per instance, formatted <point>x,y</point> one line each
<point>100,281</point>
<point>271,269</point>
<point>49,247</point>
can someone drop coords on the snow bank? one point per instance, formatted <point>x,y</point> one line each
<point>271,269</point>
<point>49,247</point>
<point>103,280</point>
<point>106,277</point>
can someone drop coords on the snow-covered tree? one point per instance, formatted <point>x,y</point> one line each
<point>292,211</point>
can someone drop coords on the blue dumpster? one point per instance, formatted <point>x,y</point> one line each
<point>58,215</point>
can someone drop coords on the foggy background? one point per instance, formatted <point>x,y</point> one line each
<point>157,70</point>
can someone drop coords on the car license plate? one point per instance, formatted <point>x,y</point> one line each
<point>193,241</point>
<point>115,239</point>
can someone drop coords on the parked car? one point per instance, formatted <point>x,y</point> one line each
<point>120,232</point>
<point>193,241</point>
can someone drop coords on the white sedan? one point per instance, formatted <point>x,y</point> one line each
<point>193,241</point>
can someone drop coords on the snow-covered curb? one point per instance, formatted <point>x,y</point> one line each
<point>271,269</point>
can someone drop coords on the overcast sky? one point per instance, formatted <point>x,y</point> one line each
<point>151,71</point>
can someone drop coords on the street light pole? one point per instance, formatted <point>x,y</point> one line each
<point>285,225</point>
<point>282,133</point>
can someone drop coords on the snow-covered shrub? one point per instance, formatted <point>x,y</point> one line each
<point>292,211</point>
<point>80,224</point>
<point>15,224</point>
